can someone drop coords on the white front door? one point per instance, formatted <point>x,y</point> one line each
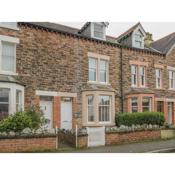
<point>66,115</point>
<point>96,136</point>
<point>46,107</point>
<point>170,112</point>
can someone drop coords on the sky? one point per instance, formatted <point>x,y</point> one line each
<point>158,29</point>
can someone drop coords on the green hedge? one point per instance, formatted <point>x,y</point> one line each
<point>140,118</point>
<point>32,118</point>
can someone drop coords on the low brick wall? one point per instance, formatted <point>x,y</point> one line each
<point>22,144</point>
<point>113,138</point>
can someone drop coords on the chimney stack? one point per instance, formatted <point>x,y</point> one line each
<point>148,39</point>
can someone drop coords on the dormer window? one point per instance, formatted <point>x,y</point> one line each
<point>138,39</point>
<point>99,31</point>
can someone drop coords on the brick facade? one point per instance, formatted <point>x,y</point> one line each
<point>57,62</point>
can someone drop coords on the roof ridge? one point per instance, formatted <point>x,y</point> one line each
<point>173,33</point>
<point>127,31</point>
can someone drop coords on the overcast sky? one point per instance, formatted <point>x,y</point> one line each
<point>158,29</point>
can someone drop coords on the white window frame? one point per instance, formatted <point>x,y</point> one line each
<point>110,107</point>
<point>99,57</point>
<point>12,95</point>
<point>157,71</point>
<point>142,76</point>
<point>93,108</point>
<point>150,103</point>
<point>171,79</point>
<point>134,85</point>
<point>96,60</point>
<point>131,106</point>
<point>92,31</point>
<point>14,41</point>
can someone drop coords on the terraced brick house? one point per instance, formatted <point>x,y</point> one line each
<point>82,76</point>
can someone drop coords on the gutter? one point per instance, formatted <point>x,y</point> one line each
<point>121,80</point>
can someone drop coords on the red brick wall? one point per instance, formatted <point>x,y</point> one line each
<point>27,144</point>
<point>118,138</point>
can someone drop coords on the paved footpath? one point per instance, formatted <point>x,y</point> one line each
<point>131,148</point>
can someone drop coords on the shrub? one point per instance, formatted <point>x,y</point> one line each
<point>140,118</point>
<point>32,118</point>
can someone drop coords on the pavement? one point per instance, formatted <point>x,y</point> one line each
<point>144,147</point>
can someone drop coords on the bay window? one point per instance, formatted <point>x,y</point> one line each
<point>172,79</point>
<point>92,69</point>
<point>142,75</point>
<point>133,75</point>
<point>134,104</point>
<point>98,108</point>
<point>104,108</point>
<point>146,104</point>
<point>11,99</point>
<point>4,102</point>
<point>158,78</point>
<point>90,102</point>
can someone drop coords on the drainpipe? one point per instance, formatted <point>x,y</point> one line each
<point>121,79</point>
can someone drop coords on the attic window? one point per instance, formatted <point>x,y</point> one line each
<point>138,39</point>
<point>99,31</point>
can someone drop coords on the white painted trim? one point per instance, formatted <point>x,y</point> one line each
<point>170,100</point>
<point>171,68</point>
<point>9,39</point>
<point>55,93</point>
<point>96,55</point>
<point>67,94</point>
<point>46,93</point>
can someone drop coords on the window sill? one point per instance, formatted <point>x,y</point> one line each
<point>139,87</point>
<point>8,27</point>
<point>8,73</point>
<point>159,88</point>
<point>171,89</point>
<point>98,83</point>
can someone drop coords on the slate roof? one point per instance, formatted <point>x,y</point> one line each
<point>164,44</point>
<point>129,31</point>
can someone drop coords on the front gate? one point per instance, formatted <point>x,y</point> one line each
<point>96,136</point>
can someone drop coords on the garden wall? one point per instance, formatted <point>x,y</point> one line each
<point>27,144</point>
<point>113,138</point>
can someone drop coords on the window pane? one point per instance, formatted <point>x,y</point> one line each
<point>103,71</point>
<point>90,108</point>
<point>8,57</point>
<point>4,103</point>
<point>134,104</point>
<point>134,75</point>
<point>98,31</point>
<point>146,104</point>
<point>104,108</point>
<point>142,76</point>
<point>92,69</point>
<point>160,106</point>
<point>18,100</point>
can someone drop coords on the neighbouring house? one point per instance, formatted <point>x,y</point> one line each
<point>84,77</point>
